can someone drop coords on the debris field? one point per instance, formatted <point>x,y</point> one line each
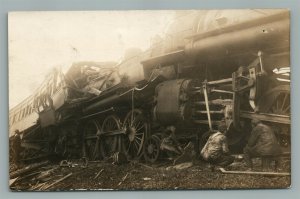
<point>135,175</point>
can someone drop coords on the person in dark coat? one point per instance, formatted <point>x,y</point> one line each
<point>216,151</point>
<point>16,148</point>
<point>262,142</point>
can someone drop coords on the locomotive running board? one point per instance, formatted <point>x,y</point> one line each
<point>172,57</point>
<point>282,119</point>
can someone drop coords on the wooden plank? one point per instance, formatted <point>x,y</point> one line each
<point>255,173</point>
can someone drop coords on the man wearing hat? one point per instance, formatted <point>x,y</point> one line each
<point>262,142</point>
<point>216,150</point>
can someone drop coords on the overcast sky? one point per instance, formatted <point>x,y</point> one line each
<point>39,41</point>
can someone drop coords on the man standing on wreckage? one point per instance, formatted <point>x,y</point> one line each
<point>16,148</point>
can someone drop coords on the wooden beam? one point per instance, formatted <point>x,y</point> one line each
<point>216,102</point>
<point>255,173</point>
<point>282,119</point>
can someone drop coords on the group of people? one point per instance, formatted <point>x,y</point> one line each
<point>262,142</point>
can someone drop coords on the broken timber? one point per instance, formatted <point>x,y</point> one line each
<point>146,166</point>
<point>57,181</point>
<point>27,169</point>
<point>255,173</point>
<point>123,179</point>
<point>99,173</point>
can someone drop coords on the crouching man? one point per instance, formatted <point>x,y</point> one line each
<point>262,142</point>
<point>215,151</point>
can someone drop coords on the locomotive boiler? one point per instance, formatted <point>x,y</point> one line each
<point>212,67</point>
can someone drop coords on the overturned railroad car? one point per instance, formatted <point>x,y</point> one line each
<point>212,67</point>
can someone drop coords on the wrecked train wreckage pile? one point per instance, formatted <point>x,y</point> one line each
<point>221,70</point>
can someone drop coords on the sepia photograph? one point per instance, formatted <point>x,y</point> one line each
<point>149,100</point>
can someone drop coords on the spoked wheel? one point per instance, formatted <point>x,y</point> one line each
<point>277,101</point>
<point>91,140</point>
<point>110,143</point>
<point>136,131</point>
<point>152,149</point>
<point>281,104</point>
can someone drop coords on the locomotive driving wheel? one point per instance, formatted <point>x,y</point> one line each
<point>91,140</point>
<point>110,143</point>
<point>136,130</point>
<point>277,101</point>
<point>152,149</point>
<point>281,104</point>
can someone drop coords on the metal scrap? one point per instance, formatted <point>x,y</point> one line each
<point>187,155</point>
<point>85,162</point>
<point>65,163</point>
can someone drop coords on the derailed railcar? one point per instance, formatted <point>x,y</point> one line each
<point>213,66</point>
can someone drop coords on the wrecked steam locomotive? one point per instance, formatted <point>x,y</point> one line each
<point>213,66</point>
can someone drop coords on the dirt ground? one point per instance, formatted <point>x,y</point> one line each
<point>102,175</point>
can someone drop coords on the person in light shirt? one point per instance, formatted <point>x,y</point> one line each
<point>216,151</point>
